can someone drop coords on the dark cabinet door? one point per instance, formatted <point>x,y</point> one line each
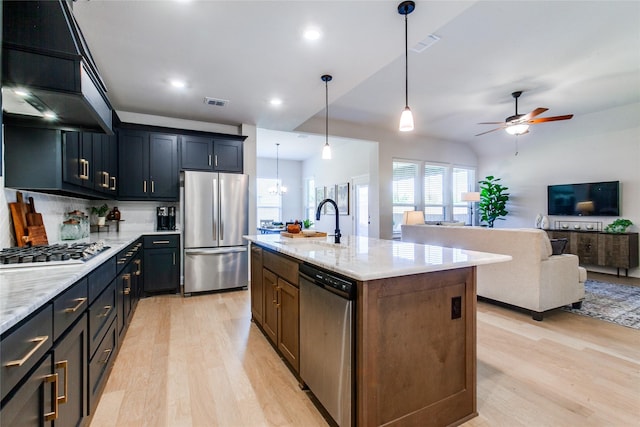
<point>133,168</point>
<point>163,167</point>
<point>196,153</point>
<point>123,298</point>
<point>161,270</point>
<point>587,248</point>
<point>71,364</point>
<point>72,166</point>
<point>33,401</point>
<point>227,156</point>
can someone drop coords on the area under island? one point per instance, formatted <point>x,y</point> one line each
<point>413,324</point>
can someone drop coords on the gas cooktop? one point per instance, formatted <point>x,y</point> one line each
<point>48,255</point>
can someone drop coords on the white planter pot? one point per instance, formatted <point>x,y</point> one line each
<point>102,220</point>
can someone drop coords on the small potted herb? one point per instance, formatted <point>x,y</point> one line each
<point>307,223</point>
<point>101,213</point>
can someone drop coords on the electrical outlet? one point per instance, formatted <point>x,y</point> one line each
<point>456,307</point>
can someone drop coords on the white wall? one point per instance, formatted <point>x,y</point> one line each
<point>290,173</point>
<point>392,145</point>
<point>609,152</point>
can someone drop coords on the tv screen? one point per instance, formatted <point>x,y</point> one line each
<point>590,199</point>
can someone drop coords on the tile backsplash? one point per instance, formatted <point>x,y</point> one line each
<point>137,216</point>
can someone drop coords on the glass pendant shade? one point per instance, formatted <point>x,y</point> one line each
<point>326,152</point>
<point>517,129</point>
<point>406,120</point>
<point>278,189</point>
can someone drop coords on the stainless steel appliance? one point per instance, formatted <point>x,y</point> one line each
<point>166,218</point>
<point>326,340</point>
<point>215,216</point>
<point>50,255</point>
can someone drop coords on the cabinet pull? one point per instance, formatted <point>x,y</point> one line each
<point>160,242</point>
<point>138,264</point>
<point>216,160</point>
<point>209,159</point>
<point>122,260</point>
<point>107,353</point>
<point>174,258</point>
<point>74,309</point>
<point>105,180</point>
<point>84,165</point>
<point>144,186</point>
<point>153,188</point>
<point>64,365</point>
<point>107,309</point>
<point>39,343</point>
<point>113,187</point>
<point>50,416</point>
<point>127,291</point>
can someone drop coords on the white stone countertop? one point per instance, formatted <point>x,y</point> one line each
<point>363,258</point>
<point>23,290</point>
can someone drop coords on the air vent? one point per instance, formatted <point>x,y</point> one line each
<point>216,101</point>
<point>426,43</point>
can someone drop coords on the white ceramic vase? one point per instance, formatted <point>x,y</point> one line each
<point>538,220</point>
<point>544,223</point>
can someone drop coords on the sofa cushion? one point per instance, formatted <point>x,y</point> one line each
<point>558,246</point>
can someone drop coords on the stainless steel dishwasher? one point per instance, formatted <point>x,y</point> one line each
<point>327,340</point>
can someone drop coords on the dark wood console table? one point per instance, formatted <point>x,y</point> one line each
<point>617,250</point>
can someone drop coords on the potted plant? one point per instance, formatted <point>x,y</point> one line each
<point>493,200</point>
<point>307,223</point>
<point>100,212</point>
<point>620,225</point>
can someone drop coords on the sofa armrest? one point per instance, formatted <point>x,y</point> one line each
<point>560,281</point>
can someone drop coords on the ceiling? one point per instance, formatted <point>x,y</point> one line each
<point>576,57</point>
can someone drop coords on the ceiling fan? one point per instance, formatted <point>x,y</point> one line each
<point>518,124</point>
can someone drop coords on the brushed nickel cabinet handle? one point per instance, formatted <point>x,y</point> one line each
<point>64,365</point>
<point>216,160</point>
<point>160,242</point>
<point>144,186</point>
<point>153,187</point>
<point>174,258</point>
<point>74,309</point>
<point>39,343</point>
<point>50,416</point>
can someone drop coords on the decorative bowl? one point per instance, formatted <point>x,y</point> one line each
<point>565,226</point>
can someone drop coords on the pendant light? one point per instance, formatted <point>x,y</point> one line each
<point>326,150</point>
<point>278,189</point>
<point>406,119</point>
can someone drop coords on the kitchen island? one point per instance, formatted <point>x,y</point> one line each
<point>414,321</point>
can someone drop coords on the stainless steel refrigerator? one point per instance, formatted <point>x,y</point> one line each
<point>216,215</point>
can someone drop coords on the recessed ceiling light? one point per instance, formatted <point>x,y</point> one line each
<point>178,83</point>
<point>50,115</point>
<point>312,34</point>
<point>276,101</point>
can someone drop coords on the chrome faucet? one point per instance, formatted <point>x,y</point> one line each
<point>335,205</point>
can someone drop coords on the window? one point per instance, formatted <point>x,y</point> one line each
<point>310,197</point>
<point>269,205</point>
<point>437,188</point>
<point>405,177</point>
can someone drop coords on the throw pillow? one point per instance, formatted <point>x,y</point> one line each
<point>558,246</point>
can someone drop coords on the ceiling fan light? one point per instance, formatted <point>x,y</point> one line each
<point>517,129</point>
<point>406,120</point>
<point>326,152</point>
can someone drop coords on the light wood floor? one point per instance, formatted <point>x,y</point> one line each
<point>199,361</point>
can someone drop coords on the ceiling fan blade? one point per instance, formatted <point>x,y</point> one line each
<point>550,119</point>
<point>492,130</point>
<point>532,114</point>
<point>491,123</point>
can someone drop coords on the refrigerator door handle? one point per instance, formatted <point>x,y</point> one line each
<point>215,251</point>
<point>221,221</point>
<point>215,208</point>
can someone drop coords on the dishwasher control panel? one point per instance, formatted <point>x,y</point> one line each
<point>330,281</point>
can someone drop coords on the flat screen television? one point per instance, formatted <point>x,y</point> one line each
<point>589,199</point>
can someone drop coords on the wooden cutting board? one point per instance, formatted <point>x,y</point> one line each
<point>19,222</point>
<point>301,234</point>
<point>27,223</point>
<point>33,217</point>
<point>36,235</point>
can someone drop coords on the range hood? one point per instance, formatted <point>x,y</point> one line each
<point>47,68</point>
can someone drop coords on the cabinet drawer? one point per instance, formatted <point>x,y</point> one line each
<point>100,364</point>
<point>68,307</point>
<point>24,347</point>
<point>101,315</point>
<point>125,255</point>
<point>100,278</point>
<point>161,241</point>
<point>282,266</point>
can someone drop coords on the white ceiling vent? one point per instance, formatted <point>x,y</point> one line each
<point>426,43</point>
<point>215,101</point>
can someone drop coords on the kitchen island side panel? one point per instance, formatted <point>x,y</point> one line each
<point>416,349</point>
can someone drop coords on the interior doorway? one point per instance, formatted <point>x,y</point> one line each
<point>360,185</point>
